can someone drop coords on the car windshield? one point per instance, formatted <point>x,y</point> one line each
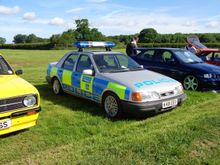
<point>199,45</point>
<point>187,57</point>
<point>115,63</point>
<point>4,67</point>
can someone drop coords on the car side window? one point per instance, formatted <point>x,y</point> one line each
<point>70,62</point>
<point>147,55</point>
<point>168,57</point>
<point>84,63</point>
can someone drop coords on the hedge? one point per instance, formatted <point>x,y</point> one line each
<point>46,46</point>
<point>174,45</point>
<point>31,46</point>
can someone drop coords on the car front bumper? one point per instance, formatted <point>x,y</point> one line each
<point>21,120</point>
<point>153,106</point>
<point>210,84</point>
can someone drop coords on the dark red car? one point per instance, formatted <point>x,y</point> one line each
<point>209,55</point>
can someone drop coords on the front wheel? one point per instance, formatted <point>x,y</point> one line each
<point>112,106</point>
<point>57,89</point>
<point>191,83</point>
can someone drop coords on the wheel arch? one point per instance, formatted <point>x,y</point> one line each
<point>106,92</point>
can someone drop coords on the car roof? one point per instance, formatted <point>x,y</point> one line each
<point>160,49</point>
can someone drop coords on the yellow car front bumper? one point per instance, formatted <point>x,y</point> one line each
<point>20,120</point>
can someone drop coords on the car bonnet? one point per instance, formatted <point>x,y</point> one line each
<point>143,80</point>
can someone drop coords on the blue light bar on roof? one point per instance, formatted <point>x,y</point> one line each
<point>91,44</point>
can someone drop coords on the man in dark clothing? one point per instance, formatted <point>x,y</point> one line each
<point>131,47</point>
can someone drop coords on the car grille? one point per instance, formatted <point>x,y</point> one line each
<point>11,104</point>
<point>167,94</point>
<point>216,76</point>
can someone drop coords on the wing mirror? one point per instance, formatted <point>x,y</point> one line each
<point>18,72</point>
<point>88,72</point>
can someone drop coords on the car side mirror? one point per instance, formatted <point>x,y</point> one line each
<point>88,72</point>
<point>18,72</point>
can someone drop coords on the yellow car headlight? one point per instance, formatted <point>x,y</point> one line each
<point>30,101</point>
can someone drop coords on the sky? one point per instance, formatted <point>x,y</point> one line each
<point>111,17</point>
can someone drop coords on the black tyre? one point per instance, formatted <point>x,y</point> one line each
<point>112,105</point>
<point>57,88</point>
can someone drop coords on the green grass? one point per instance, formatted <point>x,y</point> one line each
<point>76,131</point>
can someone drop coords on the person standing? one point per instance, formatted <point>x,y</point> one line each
<point>131,47</point>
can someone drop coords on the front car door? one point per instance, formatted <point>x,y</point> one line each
<point>145,58</point>
<point>83,82</point>
<point>169,64</point>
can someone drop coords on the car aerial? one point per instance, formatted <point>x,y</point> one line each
<point>209,55</point>
<point>113,80</point>
<point>19,100</point>
<point>181,65</point>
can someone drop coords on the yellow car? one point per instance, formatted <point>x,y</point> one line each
<point>19,100</point>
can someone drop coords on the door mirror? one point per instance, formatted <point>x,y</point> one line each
<point>18,72</point>
<point>88,72</point>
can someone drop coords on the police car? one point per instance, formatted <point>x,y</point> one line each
<point>113,80</point>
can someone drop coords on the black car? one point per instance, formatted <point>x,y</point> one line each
<point>181,65</point>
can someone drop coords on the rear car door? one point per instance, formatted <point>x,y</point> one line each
<point>66,71</point>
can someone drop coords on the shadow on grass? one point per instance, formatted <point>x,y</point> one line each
<point>79,104</point>
<point>13,133</point>
<point>70,101</point>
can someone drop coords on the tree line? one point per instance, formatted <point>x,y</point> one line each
<point>84,32</point>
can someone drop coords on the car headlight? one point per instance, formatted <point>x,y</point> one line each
<point>207,75</point>
<point>30,101</point>
<point>145,96</point>
<point>178,90</point>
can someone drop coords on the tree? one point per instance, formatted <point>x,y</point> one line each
<point>148,35</point>
<point>2,40</point>
<point>67,38</point>
<point>207,38</point>
<point>82,29</point>
<point>54,39</point>
<point>84,33</point>
<point>20,38</point>
<point>31,38</point>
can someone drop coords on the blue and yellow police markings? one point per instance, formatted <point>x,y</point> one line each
<point>67,77</point>
<point>86,83</point>
<point>88,86</point>
<point>53,71</point>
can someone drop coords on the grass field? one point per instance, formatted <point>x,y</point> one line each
<point>75,131</point>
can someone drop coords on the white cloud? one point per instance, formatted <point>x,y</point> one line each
<point>213,24</point>
<point>97,1</point>
<point>125,22</point>
<point>74,10</point>
<point>9,10</point>
<point>56,21</point>
<point>29,16</point>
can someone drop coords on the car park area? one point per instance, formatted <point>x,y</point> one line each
<point>73,130</point>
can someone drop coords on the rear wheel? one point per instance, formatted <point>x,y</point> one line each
<point>112,105</point>
<point>191,83</point>
<point>57,89</point>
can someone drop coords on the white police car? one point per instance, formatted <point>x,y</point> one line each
<point>113,80</point>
